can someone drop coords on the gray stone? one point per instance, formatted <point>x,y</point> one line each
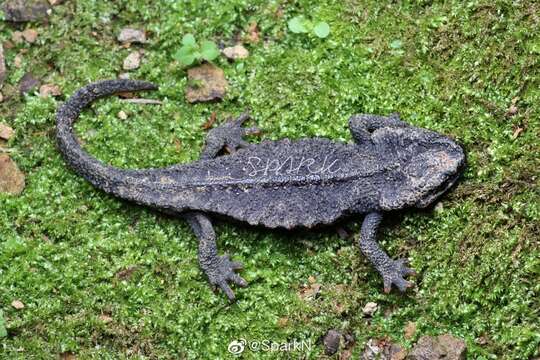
<point>130,35</point>
<point>331,342</point>
<point>235,52</point>
<point>445,347</point>
<point>28,83</point>
<point>25,10</point>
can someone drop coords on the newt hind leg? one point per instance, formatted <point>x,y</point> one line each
<point>220,270</point>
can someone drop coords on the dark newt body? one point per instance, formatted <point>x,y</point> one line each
<point>280,184</point>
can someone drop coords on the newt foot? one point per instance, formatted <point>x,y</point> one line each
<point>395,276</point>
<point>224,273</point>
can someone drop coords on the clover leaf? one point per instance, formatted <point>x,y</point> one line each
<point>191,51</point>
<point>300,24</point>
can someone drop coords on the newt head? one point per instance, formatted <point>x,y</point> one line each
<point>427,163</point>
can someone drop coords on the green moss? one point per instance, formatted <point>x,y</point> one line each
<point>453,67</point>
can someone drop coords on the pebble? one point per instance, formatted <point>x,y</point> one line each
<point>130,35</point>
<point>132,61</point>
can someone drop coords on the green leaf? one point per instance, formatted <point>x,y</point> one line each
<point>209,50</point>
<point>321,29</point>
<point>186,55</point>
<point>396,44</point>
<point>189,40</point>
<point>297,25</point>
<point>3,330</point>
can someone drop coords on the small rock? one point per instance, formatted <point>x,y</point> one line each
<point>6,132</point>
<point>55,2</point>
<point>17,304</point>
<point>236,52</point>
<point>28,83</point>
<point>122,115</point>
<point>25,10</point>
<point>124,76</point>
<point>49,90</point>
<point>206,83</point>
<point>17,37</point>
<point>11,178</point>
<point>130,35</point>
<point>445,347</point>
<point>331,342</point>
<point>1,97</point>
<point>132,61</point>
<point>439,207</point>
<point>410,330</point>
<point>2,65</point>
<point>383,350</point>
<point>370,308</point>
<point>18,61</point>
<point>30,35</point>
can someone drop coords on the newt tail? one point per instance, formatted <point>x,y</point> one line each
<point>102,176</point>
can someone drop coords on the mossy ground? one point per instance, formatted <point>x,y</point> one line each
<point>453,67</point>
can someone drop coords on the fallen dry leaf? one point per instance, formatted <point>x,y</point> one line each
<point>516,133</point>
<point>11,178</point>
<point>126,273</point>
<point>6,132</point>
<point>206,83</point>
<point>17,304</point>
<point>410,330</point>
<point>68,356</point>
<point>2,65</point>
<point>309,292</point>
<point>253,35</point>
<point>211,120</point>
<point>143,101</point>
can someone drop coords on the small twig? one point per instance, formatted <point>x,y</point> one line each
<point>143,101</point>
<point>4,150</point>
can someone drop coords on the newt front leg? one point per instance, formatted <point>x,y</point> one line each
<point>392,271</point>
